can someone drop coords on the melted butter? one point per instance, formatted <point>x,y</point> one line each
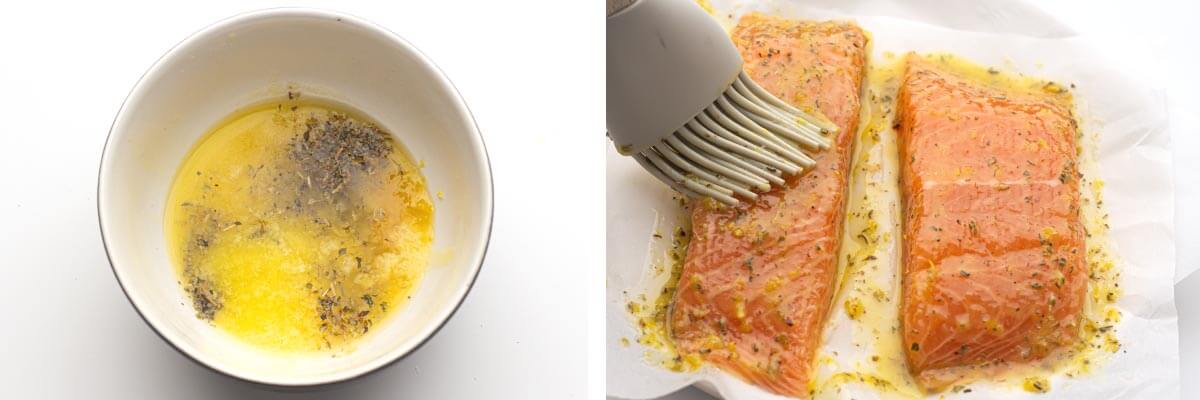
<point>1036,384</point>
<point>996,78</point>
<point>864,323</point>
<point>1101,312</point>
<point>651,311</point>
<point>867,304</point>
<point>874,218</point>
<point>1098,335</point>
<point>291,238</point>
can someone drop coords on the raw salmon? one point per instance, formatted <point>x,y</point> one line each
<point>993,248</point>
<point>758,279</point>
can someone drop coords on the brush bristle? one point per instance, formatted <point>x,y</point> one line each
<point>743,142</point>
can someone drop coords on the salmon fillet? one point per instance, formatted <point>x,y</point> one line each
<point>758,279</point>
<point>993,248</point>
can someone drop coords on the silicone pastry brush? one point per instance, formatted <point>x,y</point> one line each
<point>680,104</point>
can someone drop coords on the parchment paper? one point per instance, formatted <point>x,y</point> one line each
<point>1134,159</point>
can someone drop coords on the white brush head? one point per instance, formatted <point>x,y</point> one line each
<point>679,103</point>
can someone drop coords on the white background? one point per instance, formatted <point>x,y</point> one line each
<point>531,73</point>
<point>1155,41</point>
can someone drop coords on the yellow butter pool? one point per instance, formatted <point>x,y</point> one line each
<point>298,226</point>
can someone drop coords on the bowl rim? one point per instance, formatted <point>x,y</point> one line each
<point>389,357</point>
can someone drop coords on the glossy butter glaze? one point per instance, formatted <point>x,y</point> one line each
<point>758,279</point>
<point>993,246</point>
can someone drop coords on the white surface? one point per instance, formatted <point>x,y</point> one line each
<point>265,56</point>
<point>1142,32</point>
<point>68,332</point>
<point>1157,41</point>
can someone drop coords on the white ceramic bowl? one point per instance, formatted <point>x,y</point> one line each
<point>259,56</point>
